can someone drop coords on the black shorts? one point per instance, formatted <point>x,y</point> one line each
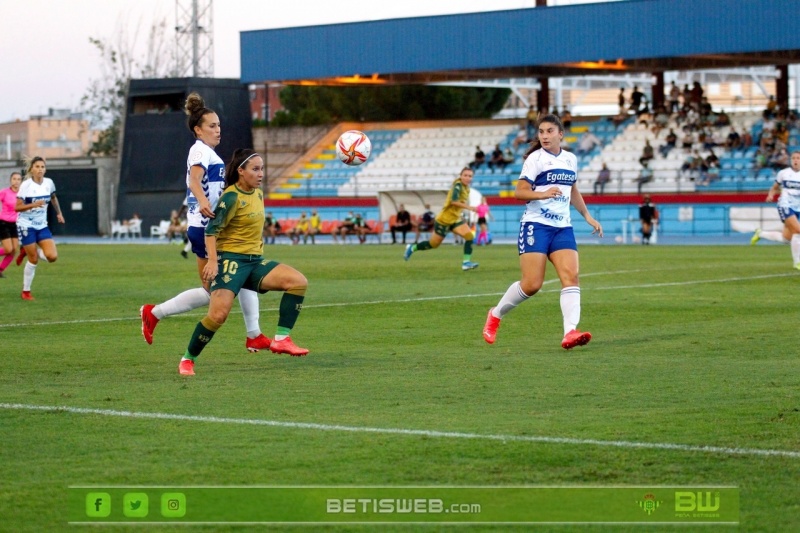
<point>8,230</point>
<point>481,220</point>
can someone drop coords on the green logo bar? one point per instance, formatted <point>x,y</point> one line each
<point>173,505</point>
<point>135,505</point>
<point>452,505</point>
<point>98,504</point>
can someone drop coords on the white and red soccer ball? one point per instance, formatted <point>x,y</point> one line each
<point>353,147</point>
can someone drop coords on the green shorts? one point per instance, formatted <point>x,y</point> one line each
<point>241,271</point>
<point>443,229</point>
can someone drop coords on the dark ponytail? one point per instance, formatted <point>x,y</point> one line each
<point>196,108</point>
<point>551,119</point>
<point>240,156</point>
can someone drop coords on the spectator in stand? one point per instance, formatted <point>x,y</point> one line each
<point>647,153</point>
<point>603,177</point>
<point>621,101</point>
<point>687,97</point>
<point>637,97</point>
<point>402,223</point>
<point>711,174</point>
<point>772,106</point>
<point>691,165</point>
<point>521,138</point>
<point>722,119</point>
<point>669,143</point>
<point>354,225</point>
<point>566,119</point>
<point>697,96</point>
<point>733,141</point>
<point>747,139</point>
<point>767,141</point>
<point>781,134</point>
<point>660,120</point>
<point>673,97</point>
<point>425,222</point>
<point>645,176</point>
<point>531,118</point>
<point>587,143</point>
<point>480,159</point>
<point>779,159</point>
<point>496,159</point>
<point>508,157</point>
<point>269,229</point>
<point>688,139</point>
<point>760,159</point>
<point>177,226</point>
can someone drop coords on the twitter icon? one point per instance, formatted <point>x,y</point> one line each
<point>135,505</point>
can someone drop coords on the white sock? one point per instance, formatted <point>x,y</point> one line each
<point>511,299</point>
<point>776,236</point>
<point>795,243</point>
<point>27,276</point>
<point>571,307</point>
<point>187,247</point>
<point>185,301</point>
<point>249,301</point>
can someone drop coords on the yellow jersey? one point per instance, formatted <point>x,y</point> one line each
<point>238,221</point>
<point>450,213</point>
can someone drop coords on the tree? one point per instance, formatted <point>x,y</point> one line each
<point>104,101</point>
<point>307,106</point>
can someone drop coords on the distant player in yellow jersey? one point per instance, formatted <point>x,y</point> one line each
<point>234,246</point>
<point>449,219</point>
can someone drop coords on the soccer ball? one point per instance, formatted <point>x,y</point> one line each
<point>353,147</point>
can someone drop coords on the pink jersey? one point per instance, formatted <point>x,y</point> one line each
<point>8,203</point>
<point>482,209</point>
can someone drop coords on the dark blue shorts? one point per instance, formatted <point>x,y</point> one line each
<point>197,236</point>
<point>786,212</point>
<point>543,239</point>
<point>30,236</point>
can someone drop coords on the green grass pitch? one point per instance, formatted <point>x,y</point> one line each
<point>693,346</point>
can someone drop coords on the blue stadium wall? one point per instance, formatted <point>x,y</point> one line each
<point>633,29</point>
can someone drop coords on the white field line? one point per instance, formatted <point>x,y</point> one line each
<point>432,298</point>
<point>718,450</point>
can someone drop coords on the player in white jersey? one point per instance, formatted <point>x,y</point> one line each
<point>787,189</point>
<point>33,197</point>
<point>548,185</point>
<point>205,180</point>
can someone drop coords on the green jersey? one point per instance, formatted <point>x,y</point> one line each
<point>238,221</point>
<point>450,213</point>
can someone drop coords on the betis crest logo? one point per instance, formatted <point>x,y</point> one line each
<point>649,504</point>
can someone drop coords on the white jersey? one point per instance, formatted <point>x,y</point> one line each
<point>789,180</point>
<point>544,171</point>
<point>213,181</point>
<point>30,192</point>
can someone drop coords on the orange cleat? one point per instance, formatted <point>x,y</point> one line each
<point>149,322</point>
<point>26,295</point>
<point>261,342</point>
<point>288,347</point>
<point>186,368</point>
<point>575,338</point>
<point>490,328</point>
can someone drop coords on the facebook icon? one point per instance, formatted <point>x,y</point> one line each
<point>98,504</point>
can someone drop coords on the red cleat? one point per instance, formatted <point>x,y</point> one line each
<point>149,322</point>
<point>575,338</point>
<point>186,368</point>
<point>288,347</point>
<point>490,328</point>
<point>261,342</point>
<point>26,295</point>
<point>20,257</point>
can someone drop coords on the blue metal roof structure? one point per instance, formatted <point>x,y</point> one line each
<point>613,37</point>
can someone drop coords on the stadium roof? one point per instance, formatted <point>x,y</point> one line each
<point>557,41</point>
